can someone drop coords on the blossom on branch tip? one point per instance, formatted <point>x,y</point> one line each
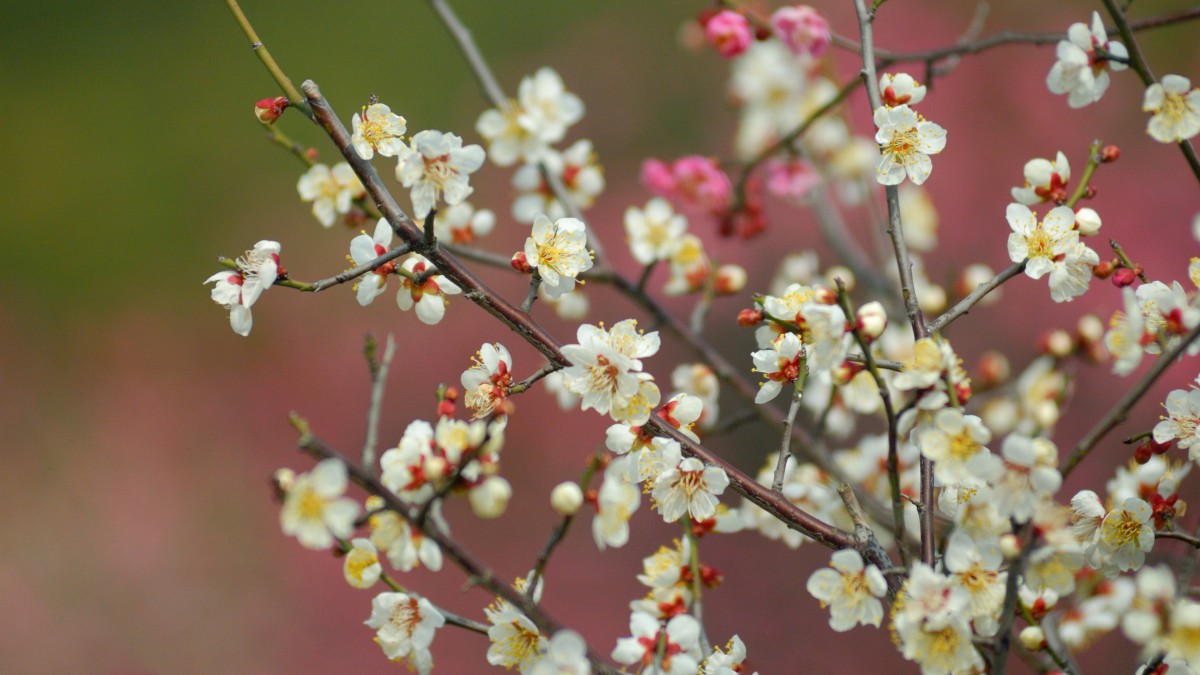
<point>1176,108</point>
<point>900,89</point>
<point>1083,64</point>
<point>727,661</point>
<point>331,191</point>
<point>378,129</point>
<point>257,270</point>
<point>558,251</point>
<point>404,627</point>
<point>488,380</point>
<point>314,510</point>
<point>905,142</point>
<point>779,365</point>
<point>437,164</point>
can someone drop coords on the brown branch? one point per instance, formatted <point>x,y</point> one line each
<point>964,306</point>
<point>379,374</point>
<point>1180,536</point>
<point>1121,410</point>
<point>1139,65</point>
<point>479,574</point>
<point>264,55</point>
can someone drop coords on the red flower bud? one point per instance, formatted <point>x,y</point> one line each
<point>269,109</point>
<point>1123,277</point>
<point>1110,153</point>
<point>750,317</point>
<point>521,264</point>
<point>1142,454</point>
<point>1103,270</point>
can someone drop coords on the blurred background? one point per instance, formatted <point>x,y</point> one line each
<point>140,531</point>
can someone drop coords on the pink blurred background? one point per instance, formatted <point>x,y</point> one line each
<point>140,531</point>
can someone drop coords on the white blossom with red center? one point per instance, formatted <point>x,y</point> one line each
<point>780,365</point>
<point>906,140</point>
<point>1181,423</point>
<point>680,650</point>
<point>900,89</point>
<point>364,249</point>
<point>689,486</point>
<point>1045,181</point>
<point>378,129</point>
<point>488,380</point>
<point>1176,108</point>
<point>237,290</point>
<point>331,191</point>
<point>428,296</point>
<point>405,625</point>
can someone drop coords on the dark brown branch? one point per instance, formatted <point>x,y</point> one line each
<point>964,306</point>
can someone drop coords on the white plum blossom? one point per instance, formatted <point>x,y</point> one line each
<point>1124,538</point>
<point>566,654</point>
<point>1176,108</point>
<point>824,335</point>
<point>954,442</point>
<point>404,628</point>
<point>1124,337</point>
<point>682,655</point>
<point>1051,247</point>
<point>406,546</point>
<point>973,567</point>
<point>558,251</point>
<point>688,486</point>
<point>365,248</point>
<point>780,364</point>
<point>576,167</point>
<point>437,164</point>
<point>1180,424</point>
<point>931,623</point>
<point>727,661</point>
<point>429,296</point>
<point>378,129</point>
<point>1045,181</point>
<point>616,502</point>
<point>361,564</point>
<point>332,192</point>
<point>516,640</point>
<point>237,290</point>
<point>850,589</point>
<point>906,140</point>
<point>900,89</point>
<point>1183,640</point>
<point>314,510</point>
<point>654,232</point>
<point>606,367</point>
<point>1168,315</point>
<point>1071,275</point>
<point>487,381</point>
<point>1027,474</point>
<point>538,118</point>
<point>463,224</point>
<point>1081,69</point>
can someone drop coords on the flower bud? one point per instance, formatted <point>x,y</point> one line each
<point>1000,415</point>
<point>1010,546</point>
<point>825,296</point>
<point>841,272</point>
<point>1087,221</point>
<point>1110,153</point>
<point>993,368</point>
<point>269,109</point>
<point>436,468</point>
<point>730,279</point>
<point>750,317</point>
<point>520,263</point>
<point>1033,638</point>
<point>1104,269</point>
<point>566,498</point>
<point>284,478</point>
<point>1156,447</point>
<point>932,299</point>
<point>871,319</point>
<point>729,32</point>
<point>490,498</point>
<point>1142,454</point>
<point>1046,414</point>
<point>1058,343</point>
<point>1090,328</point>
<point>1123,277</point>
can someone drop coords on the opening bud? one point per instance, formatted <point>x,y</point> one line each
<point>1010,546</point>
<point>1110,153</point>
<point>566,498</point>
<point>750,317</point>
<point>1104,269</point>
<point>993,368</point>
<point>269,109</point>
<point>825,296</point>
<point>490,498</point>
<point>1057,343</point>
<point>521,264</point>
<point>871,319</point>
<point>841,272</point>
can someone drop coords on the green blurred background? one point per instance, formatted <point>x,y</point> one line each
<point>139,530</point>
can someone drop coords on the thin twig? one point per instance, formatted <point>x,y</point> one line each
<point>1121,410</point>
<point>1008,611</point>
<point>904,265</point>
<point>964,306</point>
<point>535,280</point>
<point>526,383</point>
<point>1181,536</point>
<point>322,284</point>
<point>785,448</point>
<point>379,375</point>
<point>264,55</point>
